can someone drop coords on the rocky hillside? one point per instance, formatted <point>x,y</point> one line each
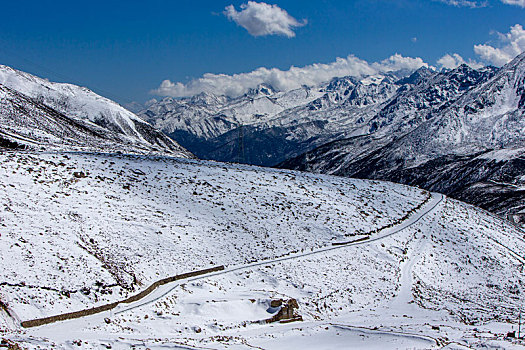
<point>471,147</point>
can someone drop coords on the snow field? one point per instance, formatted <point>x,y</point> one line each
<point>452,278</point>
<point>88,229</point>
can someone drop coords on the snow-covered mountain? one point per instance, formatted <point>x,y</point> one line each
<point>264,126</point>
<point>409,268</point>
<point>471,147</point>
<point>40,114</point>
<point>345,126</point>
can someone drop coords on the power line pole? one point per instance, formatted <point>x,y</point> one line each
<point>241,158</point>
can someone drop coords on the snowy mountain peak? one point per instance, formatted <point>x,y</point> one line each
<point>206,99</point>
<point>262,90</point>
<point>518,61</point>
<point>340,84</point>
<point>466,76</point>
<point>373,80</point>
<point>517,69</point>
<point>77,101</point>
<point>419,75</point>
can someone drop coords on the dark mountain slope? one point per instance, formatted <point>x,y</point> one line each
<point>472,148</point>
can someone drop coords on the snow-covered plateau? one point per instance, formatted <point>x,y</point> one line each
<point>365,264</point>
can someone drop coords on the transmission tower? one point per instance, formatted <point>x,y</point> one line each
<point>240,146</point>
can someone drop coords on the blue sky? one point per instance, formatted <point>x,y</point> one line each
<point>124,50</point>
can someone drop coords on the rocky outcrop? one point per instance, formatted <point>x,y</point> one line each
<point>287,312</point>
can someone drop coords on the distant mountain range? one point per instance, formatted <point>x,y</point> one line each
<point>264,126</point>
<point>38,114</point>
<point>460,132</point>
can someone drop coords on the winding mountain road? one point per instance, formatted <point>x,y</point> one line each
<point>428,206</point>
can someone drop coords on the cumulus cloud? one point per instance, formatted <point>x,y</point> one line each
<point>520,3</point>
<point>398,62</point>
<point>261,19</point>
<point>452,61</point>
<point>295,77</point>
<point>509,46</point>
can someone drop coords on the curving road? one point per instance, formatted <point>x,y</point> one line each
<point>429,206</point>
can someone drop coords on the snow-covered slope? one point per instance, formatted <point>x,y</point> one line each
<point>88,229</point>
<point>128,221</point>
<point>38,113</point>
<point>471,147</point>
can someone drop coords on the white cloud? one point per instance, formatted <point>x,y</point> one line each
<point>452,61</point>
<point>467,3</point>
<point>520,3</point>
<point>509,46</point>
<point>397,62</point>
<point>261,19</point>
<point>295,77</point>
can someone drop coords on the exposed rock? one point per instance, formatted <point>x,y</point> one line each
<point>287,313</point>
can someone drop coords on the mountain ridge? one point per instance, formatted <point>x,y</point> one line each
<point>471,148</point>
<point>278,125</point>
<point>37,113</point>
